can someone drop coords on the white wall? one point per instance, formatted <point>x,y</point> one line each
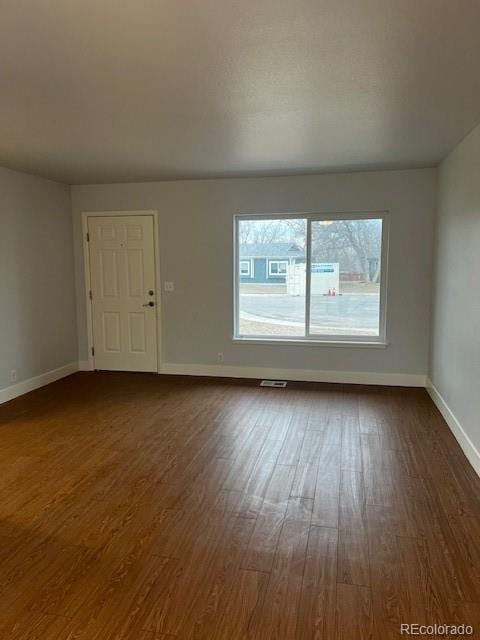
<point>38,331</point>
<point>455,362</point>
<point>196,253</point>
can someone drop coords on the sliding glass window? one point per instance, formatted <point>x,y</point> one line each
<point>313,278</point>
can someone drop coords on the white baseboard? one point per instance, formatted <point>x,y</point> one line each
<point>84,365</point>
<point>301,375</point>
<point>456,428</point>
<point>18,389</point>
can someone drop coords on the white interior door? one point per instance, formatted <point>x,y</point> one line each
<point>123,292</point>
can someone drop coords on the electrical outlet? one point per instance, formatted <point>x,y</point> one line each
<point>220,356</point>
<point>13,375</point>
<point>169,286</point>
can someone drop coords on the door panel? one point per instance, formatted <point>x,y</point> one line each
<point>111,332</point>
<point>136,332</point>
<point>135,276</point>
<point>109,274</point>
<point>122,273</point>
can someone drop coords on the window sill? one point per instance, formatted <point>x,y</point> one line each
<point>313,343</point>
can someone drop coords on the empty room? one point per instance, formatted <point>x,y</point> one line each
<point>239,320</point>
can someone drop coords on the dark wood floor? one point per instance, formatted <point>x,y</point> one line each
<point>144,508</point>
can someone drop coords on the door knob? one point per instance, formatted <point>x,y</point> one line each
<point>149,304</point>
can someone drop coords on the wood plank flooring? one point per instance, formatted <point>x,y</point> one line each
<point>142,507</point>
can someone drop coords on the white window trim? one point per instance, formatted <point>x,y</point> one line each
<point>335,340</point>
<point>249,263</point>
<point>276,275</point>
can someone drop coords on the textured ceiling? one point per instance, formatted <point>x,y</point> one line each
<point>110,90</point>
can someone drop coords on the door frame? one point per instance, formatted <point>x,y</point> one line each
<point>87,277</point>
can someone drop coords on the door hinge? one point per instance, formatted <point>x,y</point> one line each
<point>93,351</point>
<point>90,294</point>
<point>88,237</point>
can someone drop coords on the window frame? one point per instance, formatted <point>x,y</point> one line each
<point>379,340</point>
<point>249,263</point>
<point>277,275</point>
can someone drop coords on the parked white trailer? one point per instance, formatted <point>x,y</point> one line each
<point>325,279</point>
